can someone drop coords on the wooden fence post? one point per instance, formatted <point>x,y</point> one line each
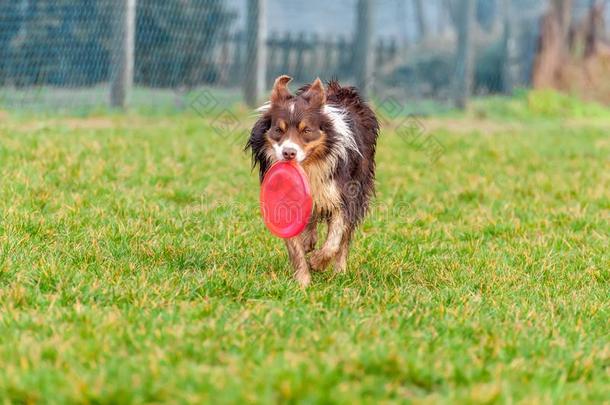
<point>344,57</point>
<point>256,60</point>
<point>315,66</point>
<point>124,27</point>
<point>237,66</point>
<point>273,51</point>
<point>287,45</point>
<point>364,55</point>
<point>465,54</point>
<point>329,57</point>
<point>299,69</point>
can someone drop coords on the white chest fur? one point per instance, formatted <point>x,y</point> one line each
<point>324,190</point>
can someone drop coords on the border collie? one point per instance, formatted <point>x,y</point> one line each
<point>332,133</point>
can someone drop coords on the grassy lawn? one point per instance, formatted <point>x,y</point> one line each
<point>135,267</point>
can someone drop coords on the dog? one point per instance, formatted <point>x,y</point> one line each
<point>332,133</point>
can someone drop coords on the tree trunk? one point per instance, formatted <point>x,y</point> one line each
<point>443,17</point>
<point>508,45</point>
<point>364,56</point>
<point>571,57</point>
<point>420,14</point>
<point>553,44</point>
<point>595,29</point>
<point>465,55</point>
<point>453,11</point>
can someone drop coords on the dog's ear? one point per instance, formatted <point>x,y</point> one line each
<point>280,89</point>
<point>315,94</point>
<point>256,144</point>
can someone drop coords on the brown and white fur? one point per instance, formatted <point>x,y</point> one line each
<point>332,134</point>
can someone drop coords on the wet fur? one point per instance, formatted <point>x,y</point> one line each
<point>340,165</point>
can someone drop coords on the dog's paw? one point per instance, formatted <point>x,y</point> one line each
<point>303,278</point>
<point>319,260</point>
<point>340,267</point>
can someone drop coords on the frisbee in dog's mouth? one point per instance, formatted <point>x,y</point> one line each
<point>285,199</point>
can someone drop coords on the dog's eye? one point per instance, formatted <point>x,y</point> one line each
<point>276,133</point>
<point>309,135</point>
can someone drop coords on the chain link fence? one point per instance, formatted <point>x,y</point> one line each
<point>72,54</point>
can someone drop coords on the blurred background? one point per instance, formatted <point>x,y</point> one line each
<point>435,54</point>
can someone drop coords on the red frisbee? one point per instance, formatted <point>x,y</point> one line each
<point>286,199</point>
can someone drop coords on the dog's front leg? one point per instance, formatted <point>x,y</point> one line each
<point>336,229</point>
<point>309,237</point>
<point>341,257</point>
<point>296,253</point>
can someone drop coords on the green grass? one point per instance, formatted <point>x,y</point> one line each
<point>535,105</point>
<point>134,267</point>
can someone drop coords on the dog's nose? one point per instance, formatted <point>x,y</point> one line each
<point>289,153</point>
